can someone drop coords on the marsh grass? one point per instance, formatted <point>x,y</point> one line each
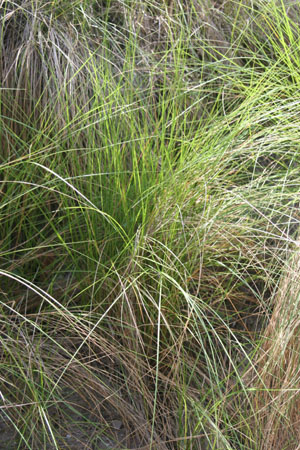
<point>149,218</point>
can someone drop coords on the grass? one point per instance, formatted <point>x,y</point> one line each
<point>149,224</point>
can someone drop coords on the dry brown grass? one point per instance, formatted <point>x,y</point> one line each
<point>277,401</point>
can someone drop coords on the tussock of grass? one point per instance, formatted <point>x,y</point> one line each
<point>149,210</point>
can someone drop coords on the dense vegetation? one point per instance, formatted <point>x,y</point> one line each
<point>149,213</point>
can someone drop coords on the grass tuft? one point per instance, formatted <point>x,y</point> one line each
<point>149,191</point>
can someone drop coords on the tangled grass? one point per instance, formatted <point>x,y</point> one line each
<point>149,224</point>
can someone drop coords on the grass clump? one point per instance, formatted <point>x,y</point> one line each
<point>149,224</point>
